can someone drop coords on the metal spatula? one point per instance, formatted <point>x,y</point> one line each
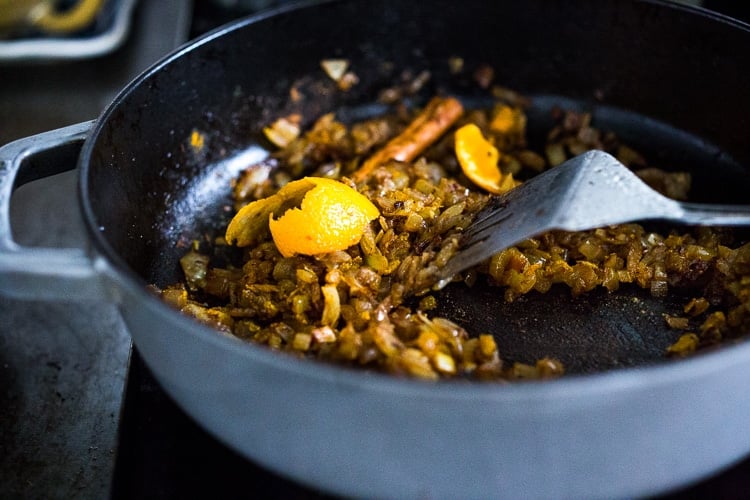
<point>589,191</point>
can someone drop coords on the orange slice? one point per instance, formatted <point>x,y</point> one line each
<point>310,216</point>
<point>478,159</point>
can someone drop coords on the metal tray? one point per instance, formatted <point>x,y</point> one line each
<point>108,32</point>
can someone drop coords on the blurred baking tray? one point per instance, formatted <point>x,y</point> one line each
<point>107,32</point>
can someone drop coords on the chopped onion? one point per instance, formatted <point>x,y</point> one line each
<point>335,68</point>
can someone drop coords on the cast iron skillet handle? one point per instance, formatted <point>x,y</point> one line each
<point>44,273</point>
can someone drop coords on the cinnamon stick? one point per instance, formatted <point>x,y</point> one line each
<point>429,125</point>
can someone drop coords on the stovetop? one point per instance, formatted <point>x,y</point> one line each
<point>80,413</point>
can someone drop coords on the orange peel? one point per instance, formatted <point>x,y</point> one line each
<point>479,158</point>
<point>309,216</point>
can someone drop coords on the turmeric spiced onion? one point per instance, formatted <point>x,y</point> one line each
<point>347,304</point>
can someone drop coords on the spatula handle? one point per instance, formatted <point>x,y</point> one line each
<point>704,214</point>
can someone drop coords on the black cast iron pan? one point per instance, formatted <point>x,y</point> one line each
<point>559,59</point>
<point>669,80</point>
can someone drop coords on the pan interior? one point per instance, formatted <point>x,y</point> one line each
<point>594,332</point>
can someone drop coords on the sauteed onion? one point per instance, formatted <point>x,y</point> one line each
<point>368,304</point>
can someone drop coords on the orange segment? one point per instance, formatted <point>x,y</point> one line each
<point>331,217</point>
<point>250,223</point>
<point>478,159</point>
<point>308,216</point>
<point>507,120</point>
